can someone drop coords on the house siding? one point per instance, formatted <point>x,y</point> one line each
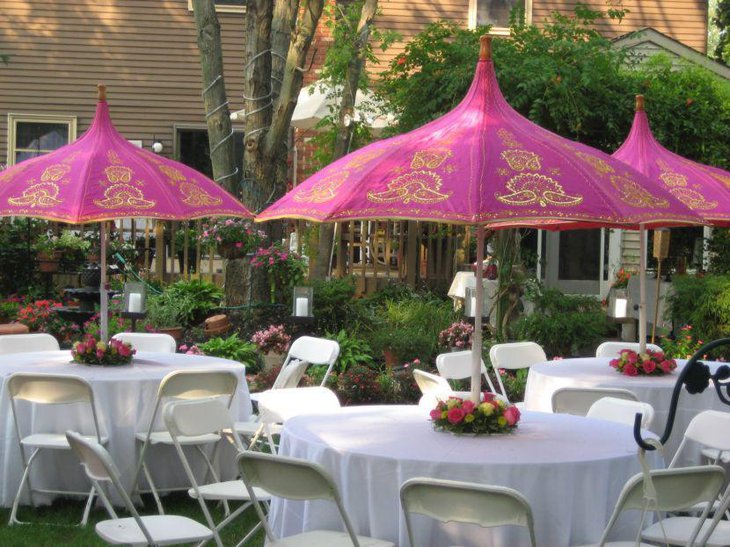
<point>145,52</point>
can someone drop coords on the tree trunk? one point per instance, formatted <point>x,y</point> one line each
<point>220,132</point>
<point>345,123</point>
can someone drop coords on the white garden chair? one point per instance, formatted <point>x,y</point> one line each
<point>148,341</point>
<point>577,400</point>
<point>301,480</point>
<point>48,389</point>
<point>196,418</point>
<point>453,501</point>
<point>134,530</point>
<point>457,366</point>
<point>432,387</point>
<point>26,343</point>
<point>613,349</point>
<point>514,356</point>
<point>621,411</point>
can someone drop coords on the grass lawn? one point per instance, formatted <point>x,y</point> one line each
<point>56,522</point>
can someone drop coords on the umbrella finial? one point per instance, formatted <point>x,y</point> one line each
<point>639,103</point>
<point>101,92</point>
<point>485,48</point>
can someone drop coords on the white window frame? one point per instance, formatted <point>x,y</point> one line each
<point>498,31</point>
<point>222,8</point>
<point>14,119</point>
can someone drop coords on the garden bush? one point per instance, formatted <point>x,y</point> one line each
<point>562,324</point>
<point>353,351</point>
<point>704,303</point>
<point>359,386</point>
<point>333,307</point>
<point>235,349</point>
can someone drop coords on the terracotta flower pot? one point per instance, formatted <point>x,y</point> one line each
<point>48,262</point>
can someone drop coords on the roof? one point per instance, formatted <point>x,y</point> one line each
<point>648,38</point>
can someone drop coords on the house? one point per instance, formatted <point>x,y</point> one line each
<point>146,54</point>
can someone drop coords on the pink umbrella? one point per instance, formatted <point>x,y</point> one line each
<point>102,176</point>
<point>483,164</point>
<point>704,189</point>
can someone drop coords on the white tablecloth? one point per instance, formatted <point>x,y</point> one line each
<point>125,399</point>
<point>545,378</point>
<point>571,469</point>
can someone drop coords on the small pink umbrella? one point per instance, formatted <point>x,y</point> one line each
<point>102,176</point>
<point>704,189</point>
<point>486,165</point>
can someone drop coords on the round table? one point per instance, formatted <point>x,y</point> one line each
<point>124,397</point>
<point>545,378</point>
<point>571,469</point>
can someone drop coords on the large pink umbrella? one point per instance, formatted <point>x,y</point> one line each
<point>486,165</point>
<point>704,189</point>
<point>102,176</point>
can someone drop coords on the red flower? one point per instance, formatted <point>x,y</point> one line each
<point>649,366</point>
<point>455,415</point>
<point>631,370</point>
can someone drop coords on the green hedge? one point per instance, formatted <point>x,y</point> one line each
<point>704,303</point>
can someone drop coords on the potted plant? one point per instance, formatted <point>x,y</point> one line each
<point>166,315</point>
<point>74,248</point>
<point>48,251</point>
<point>273,342</point>
<point>232,238</point>
<point>284,268</point>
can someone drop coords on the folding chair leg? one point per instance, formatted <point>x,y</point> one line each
<point>153,489</point>
<point>87,509</point>
<point>26,473</point>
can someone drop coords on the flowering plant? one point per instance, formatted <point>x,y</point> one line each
<point>274,339</point>
<point>650,363</point>
<point>234,238</point>
<point>91,351</point>
<point>622,279</point>
<point>683,346</point>
<point>283,268</point>
<point>39,315</point>
<point>492,415</point>
<point>458,335</point>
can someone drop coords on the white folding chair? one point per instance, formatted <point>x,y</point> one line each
<point>453,501</point>
<point>301,480</point>
<point>186,419</point>
<point>621,411</point>
<point>676,489</point>
<point>432,387</point>
<point>148,341</point>
<point>457,366</point>
<point>613,349</point>
<point>48,389</point>
<point>136,530</point>
<point>25,343</point>
<point>183,384</point>
<point>513,356</point>
<point>577,400</point>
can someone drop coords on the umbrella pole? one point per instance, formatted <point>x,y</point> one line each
<point>642,289</point>
<point>104,319</point>
<point>476,347</point>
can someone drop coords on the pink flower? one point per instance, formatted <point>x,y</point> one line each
<point>455,415</point>
<point>614,363</point>
<point>99,353</point>
<point>125,351</point>
<point>239,244</point>
<point>488,396</point>
<point>512,415</point>
<point>631,357</point>
<point>668,365</point>
<point>183,348</point>
<point>631,370</point>
<point>468,406</point>
<point>435,414</point>
<point>649,366</point>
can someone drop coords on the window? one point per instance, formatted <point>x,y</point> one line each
<point>496,13</point>
<point>191,148</point>
<point>226,6</point>
<point>31,135</point>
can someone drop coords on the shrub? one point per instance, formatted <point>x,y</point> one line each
<point>235,349</point>
<point>273,339</point>
<point>264,379</point>
<point>704,303</point>
<point>353,351</point>
<point>562,324</point>
<point>8,311</point>
<point>359,386</point>
<point>333,309</point>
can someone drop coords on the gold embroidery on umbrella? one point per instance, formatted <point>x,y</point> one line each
<point>636,196</point>
<point>124,195</point>
<point>39,195</point>
<point>673,179</point>
<point>418,186</point>
<point>322,191</point>
<point>53,173</point>
<point>174,174</point>
<point>363,158</point>
<point>113,157</point>
<point>196,196</point>
<point>522,160</point>
<point>502,171</point>
<point>693,199</point>
<point>118,173</point>
<point>508,138</point>
<point>532,188</point>
<point>430,158</point>
<point>598,164</point>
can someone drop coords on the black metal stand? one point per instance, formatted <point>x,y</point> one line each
<point>695,376</point>
<point>134,316</point>
<point>304,324</point>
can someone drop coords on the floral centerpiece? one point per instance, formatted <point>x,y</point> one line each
<point>233,238</point>
<point>649,363</point>
<point>283,268</point>
<point>458,335</point>
<point>492,415</point>
<point>91,351</point>
<point>272,340</point>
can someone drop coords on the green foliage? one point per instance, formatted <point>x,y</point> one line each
<point>333,309</point>
<point>70,241</point>
<point>353,351</point>
<point>682,346</point>
<point>8,311</point>
<point>235,349</point>
<point>16,258</point>
<point>561,323</point>
<point>719,248</point>
<point>165,312</point>
<point>190,300</point>
<point>722,21</point>
<point>514,382</point>
<point>704,303</point>
<point>359,386</point>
